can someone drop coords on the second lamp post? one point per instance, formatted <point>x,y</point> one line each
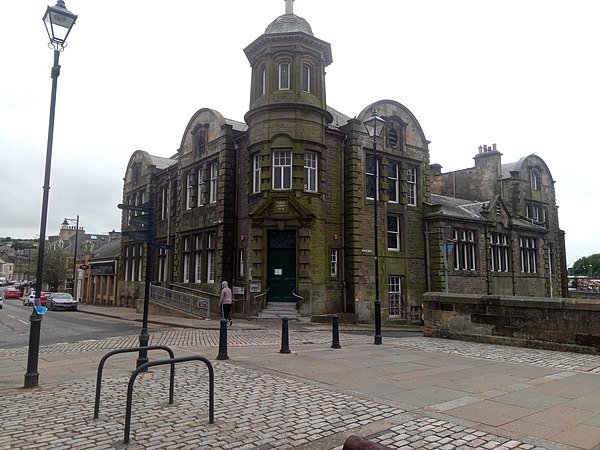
<point>374,126</point>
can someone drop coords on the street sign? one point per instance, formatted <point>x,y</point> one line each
<point>84,267</point>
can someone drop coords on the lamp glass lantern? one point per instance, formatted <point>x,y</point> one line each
<point>59,21</point>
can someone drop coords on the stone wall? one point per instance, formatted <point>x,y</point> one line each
<point>535,322</point>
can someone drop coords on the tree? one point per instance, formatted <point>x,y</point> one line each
<point>55,267</point>
<point>587,265</point>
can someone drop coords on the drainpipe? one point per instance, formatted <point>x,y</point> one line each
<point>343,228</point>
<point>427,262</point>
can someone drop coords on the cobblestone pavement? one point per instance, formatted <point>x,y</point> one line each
<point>254,409</point>
<point>188,337</point>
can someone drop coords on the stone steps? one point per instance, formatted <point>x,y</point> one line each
<point>277,310</point>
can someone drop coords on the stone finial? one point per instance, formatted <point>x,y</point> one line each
<point>289,6</point>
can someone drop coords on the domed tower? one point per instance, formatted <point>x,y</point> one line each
<point>293,162</point>
<point>288,75</point>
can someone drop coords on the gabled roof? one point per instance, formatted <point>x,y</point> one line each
<point>458,207</point>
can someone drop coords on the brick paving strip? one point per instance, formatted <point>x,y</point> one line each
<point>253,409</point>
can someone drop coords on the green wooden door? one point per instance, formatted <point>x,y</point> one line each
<point>281,266</point>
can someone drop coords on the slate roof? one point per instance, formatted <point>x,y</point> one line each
<point>458,207</point>
<point>162,163</point>
<point>511,167</point>
<point>110,250</point>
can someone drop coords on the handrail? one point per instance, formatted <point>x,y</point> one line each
<point>128,350</point>
<point>298,298</point>
<point>260,295</point>
<point>172,361</point>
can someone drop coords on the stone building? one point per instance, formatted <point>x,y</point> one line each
<point>282,204</point>
<point>494,229</point>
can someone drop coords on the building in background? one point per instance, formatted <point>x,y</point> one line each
<point>281,205</point>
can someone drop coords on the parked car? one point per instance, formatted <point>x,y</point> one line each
<point>11,293</point>
<point>61,300</point>
<point>29,301</point>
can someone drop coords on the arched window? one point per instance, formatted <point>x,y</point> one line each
<point>536,182</point>
<point>263,81</point>
<point>306,77</point>
<point>284,76</point>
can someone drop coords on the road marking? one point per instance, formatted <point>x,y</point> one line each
<point>12,317</point>
<point>22,321</point>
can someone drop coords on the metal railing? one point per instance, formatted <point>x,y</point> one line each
<point>189,303</point>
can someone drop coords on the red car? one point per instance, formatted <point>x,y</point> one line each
<point>12,293</point>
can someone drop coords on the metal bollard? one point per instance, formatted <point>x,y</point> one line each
<point>336,332</point>
<point>285,345</point>
<point>223,340</point>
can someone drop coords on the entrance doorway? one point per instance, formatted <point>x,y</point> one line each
<point>281,265</point>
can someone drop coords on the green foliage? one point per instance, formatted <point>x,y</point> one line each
<point>23,245</point>
<point>587,266</point>
<point>55,267</point>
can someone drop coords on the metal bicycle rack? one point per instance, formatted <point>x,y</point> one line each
<point>129,350</point>
<point>172,361</point>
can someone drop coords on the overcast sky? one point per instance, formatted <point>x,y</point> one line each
<point>523,74</point>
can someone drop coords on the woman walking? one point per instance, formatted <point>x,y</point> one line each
<point>225,301</point>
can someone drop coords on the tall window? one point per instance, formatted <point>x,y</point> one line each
<point>284,76</point>
<point>256,174</point>
<point>397,308</point>
<point>140,262</point>
<point>263,81</point>
<point>127,264</point>
<point>282,169</point>
<point>499,252</point>
<point>198,258</point>
<point>372,182</point>
<point>310,172</point>
<point>162,263</point>
<point>199,139</point>
<point>214,173</point>
<point>189,191</point>
<point>186,260</point>
<point>393,232</point>
<point>394,187</point>
<point>412,186</point>
<point>164,202</point>
<point>333,261</point>
<point>210,258</point>
<point>528,254</point>
<point>200,193</point>
<point>464,250</point>
<point>306,72</point>
<point>241,263</point>
<point>536,184</point>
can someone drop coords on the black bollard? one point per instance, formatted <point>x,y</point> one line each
<point>285,345</point>
<point>336,332</point>
<point>223,341</point>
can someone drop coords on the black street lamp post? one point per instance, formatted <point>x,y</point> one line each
<point>141,224</point>
<point>371,126</point>
<point>66,223</point>
<point>58,21</point>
